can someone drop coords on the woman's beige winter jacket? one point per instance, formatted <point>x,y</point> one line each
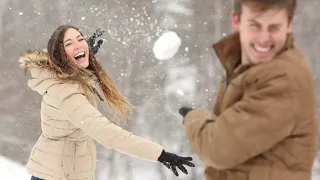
<point>70,123</point>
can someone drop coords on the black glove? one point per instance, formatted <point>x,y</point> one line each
<point>172,161</point>
<point>184,111</point>
<point>92,41</point>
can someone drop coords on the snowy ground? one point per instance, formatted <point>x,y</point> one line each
<point>10,170</point>
<point>316,168</point>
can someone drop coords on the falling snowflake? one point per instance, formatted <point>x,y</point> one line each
<point>180,92</point>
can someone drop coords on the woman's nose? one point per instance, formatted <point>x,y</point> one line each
<point>77,46</point>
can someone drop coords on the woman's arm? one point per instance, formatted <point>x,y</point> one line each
<point>86,117</point>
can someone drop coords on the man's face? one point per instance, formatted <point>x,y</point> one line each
<point>262,34</point>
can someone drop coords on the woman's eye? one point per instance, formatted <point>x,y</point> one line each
<point>253,25</point>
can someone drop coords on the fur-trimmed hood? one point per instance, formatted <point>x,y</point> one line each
<point>34,59</point>
<point>37,63</point>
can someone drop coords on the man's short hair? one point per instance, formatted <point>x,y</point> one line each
<point>263,5</point>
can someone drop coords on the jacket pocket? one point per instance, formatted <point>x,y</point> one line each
<point>45,162</point>
<point>76,168</point>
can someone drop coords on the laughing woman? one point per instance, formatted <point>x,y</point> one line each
<point>73,84</point>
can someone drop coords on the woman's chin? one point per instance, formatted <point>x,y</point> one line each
<point>83,64</point>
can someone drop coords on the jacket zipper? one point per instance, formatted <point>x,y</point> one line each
<point>227,81</point>
<point>225,86</point>
<point>74,156</point>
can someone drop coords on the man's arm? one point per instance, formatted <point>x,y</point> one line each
<point>253,125</point>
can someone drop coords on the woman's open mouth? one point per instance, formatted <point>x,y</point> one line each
<point>80,56</point>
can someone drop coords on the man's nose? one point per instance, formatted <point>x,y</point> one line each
<point>264,38</point>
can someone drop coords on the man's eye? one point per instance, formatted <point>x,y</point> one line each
<point>274,29</point>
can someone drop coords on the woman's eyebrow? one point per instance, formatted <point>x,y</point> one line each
<point>70,39</point>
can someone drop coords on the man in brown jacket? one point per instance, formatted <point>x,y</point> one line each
<point>264,123</point>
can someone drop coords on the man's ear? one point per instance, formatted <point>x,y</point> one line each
<point>235,21</point>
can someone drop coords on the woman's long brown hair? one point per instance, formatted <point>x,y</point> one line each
<point>68,71</point>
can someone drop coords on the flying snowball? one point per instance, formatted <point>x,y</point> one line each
<point>166,46</point>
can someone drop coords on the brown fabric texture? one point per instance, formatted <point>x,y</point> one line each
<point>264,125</point>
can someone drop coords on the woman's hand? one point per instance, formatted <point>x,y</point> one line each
<point>92,41</point>
<point>172,161</point>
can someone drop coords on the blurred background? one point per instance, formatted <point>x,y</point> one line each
<point>157,88</point>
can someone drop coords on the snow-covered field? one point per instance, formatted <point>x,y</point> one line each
<point>10,170</point>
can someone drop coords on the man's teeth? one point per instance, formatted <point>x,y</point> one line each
<point>79,54</point>
<point>262,49</point>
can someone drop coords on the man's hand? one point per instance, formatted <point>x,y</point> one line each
<point>183,111</point>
